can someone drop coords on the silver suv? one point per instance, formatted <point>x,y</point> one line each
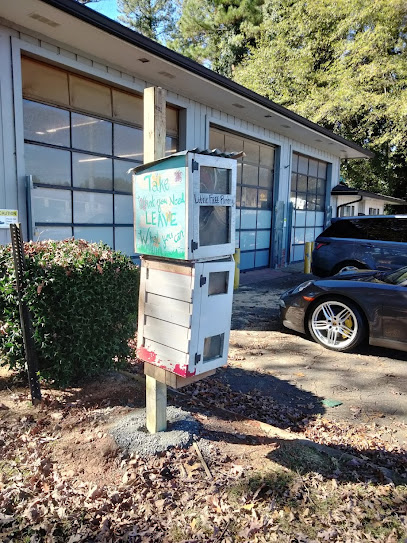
<point>370,242</point>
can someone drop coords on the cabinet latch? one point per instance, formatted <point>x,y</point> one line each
<point>197,358</point>
<point>195,166</point>
<point>202,281</point>
<point>194,245</point>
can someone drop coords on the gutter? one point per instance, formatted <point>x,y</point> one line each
<point>114,28</point>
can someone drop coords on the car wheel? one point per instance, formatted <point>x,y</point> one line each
<point>336,325</point>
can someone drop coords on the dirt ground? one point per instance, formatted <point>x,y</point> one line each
<point>370,383</point>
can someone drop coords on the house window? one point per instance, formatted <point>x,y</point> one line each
<point>374,211</point>
<point>308,195</point>
<point>80,142</point>
<point>254,196</point>
<point>347,211</point>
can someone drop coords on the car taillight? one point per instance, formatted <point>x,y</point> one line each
<point>319,245</point>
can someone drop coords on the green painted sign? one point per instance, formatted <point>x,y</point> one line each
<point>160,209</point>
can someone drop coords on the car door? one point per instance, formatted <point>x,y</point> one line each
<point>394,314</point>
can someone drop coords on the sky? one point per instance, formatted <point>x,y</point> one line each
<point>106,7</point>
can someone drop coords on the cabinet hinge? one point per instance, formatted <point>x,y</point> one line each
<point>197,358</point>
<point>195,166</point>
<point>202,281</point>
<point>194,245</point>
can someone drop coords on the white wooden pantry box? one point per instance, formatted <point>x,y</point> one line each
<point>184,314</point>
<point>184,206</point>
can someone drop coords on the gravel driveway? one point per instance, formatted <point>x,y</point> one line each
<point>370,383</point>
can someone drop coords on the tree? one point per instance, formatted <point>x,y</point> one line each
<point>217,33</point>
<point>342,64</point>
<point>152,18</point>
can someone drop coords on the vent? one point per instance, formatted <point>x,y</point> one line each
<point>44,20</point>
<point>238,106</point>
<point>143,60</point>
<point>167,74</point>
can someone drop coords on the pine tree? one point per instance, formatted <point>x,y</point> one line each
<point>152,18</point>
<point>343,64</point>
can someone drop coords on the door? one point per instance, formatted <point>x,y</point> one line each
<point>216,280</point>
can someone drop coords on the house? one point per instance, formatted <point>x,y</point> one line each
<point>71,119</point>
<point>348,202</point>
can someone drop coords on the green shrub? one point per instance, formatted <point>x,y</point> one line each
<point>83,299</point>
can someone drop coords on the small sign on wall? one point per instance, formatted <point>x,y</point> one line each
<point>7,217</point>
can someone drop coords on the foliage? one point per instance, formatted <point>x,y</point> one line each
<point>83,299</point>
<point>217,32</point>
<point>152,18</point>
<point>341,63</point>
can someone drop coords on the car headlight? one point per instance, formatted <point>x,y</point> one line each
<point>302,287</point>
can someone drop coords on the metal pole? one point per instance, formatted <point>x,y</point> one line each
<point>25,317</point>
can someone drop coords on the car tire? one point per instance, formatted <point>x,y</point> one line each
<point>336,324</point>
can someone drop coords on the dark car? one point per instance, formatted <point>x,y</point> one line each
<point>340,311</point>
<point>370,242</point>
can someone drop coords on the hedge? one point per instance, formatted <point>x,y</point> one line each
<point>83,298</point>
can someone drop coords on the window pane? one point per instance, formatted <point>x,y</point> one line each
<point>127,107</point>
<point>267,156</point>
<point>49,166</point>
<point>247,240</point>
<point>265,178</point>
<point>56,233</point>
<point>216,140</point>
<point>218,283</point>
<point>44,82</point>
<point>302,165</point>
<point>249,197</point>
<point>92,207</point>
<point>312,185</point>
<point>247,261</point>
<point>171,145</point>
<point>52,205</point>
<point>265,199</point>
<point>90,96</point>
<point>250,175</point>
<point>91,134</point>
<point>302,183</point>
<point>248,218</point>
<point>313,167</point>
<point>214,225</point>
<point>301,200</point>
<point>321,187</point>
<point>262,258</point>
<point>122,179</point>
<point>128,142</point>
<point>123,209</point>
<point>295,163</point>
<point>322,170</point>
<point>293,182</point>
<point>263,218</point>
<point>46,124</point>
<point>172,121</point>
<point>124,240</point>
<point>213,347</point>
<point>233,144</point>
<point>92,172</point>
<point>95,234</point>
<point>239,172</point>
<point>238,196</point>
<point>252,151</point>
<point>263,239</point>
<point>214,180</point>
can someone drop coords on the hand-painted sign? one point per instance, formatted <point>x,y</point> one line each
<point>160,209</point>
<point>7,217</point>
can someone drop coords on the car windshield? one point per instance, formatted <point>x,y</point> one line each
<point>398,277</point>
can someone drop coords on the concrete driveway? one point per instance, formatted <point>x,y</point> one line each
<point>370,383</point>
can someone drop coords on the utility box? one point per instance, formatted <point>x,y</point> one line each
<point>184,206</point>
<point>184,314</point>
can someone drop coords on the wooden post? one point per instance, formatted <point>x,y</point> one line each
<point>155,103</point>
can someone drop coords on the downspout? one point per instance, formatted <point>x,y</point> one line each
<point>348,203</point>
